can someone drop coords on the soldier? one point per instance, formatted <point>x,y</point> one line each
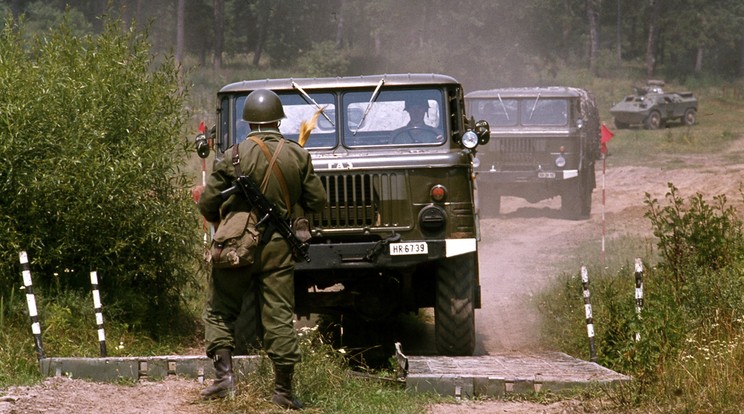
<point>416,131</point>
<point>272,273</point>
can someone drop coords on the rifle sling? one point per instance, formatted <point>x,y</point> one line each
<point>275,168</point>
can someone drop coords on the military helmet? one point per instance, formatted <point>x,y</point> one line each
<point>263,106</point>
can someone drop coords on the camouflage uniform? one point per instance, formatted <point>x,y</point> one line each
<point>273,271</point>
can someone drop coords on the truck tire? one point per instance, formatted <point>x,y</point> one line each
<point>653,120</point>
<point>690,117</point>
<point>454,311</point>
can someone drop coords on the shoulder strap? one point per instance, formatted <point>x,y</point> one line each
<point>239,172</point>
<point>274,168</point>
<point>236,161</point>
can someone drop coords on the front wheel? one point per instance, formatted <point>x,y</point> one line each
<point>454,310</point>
<point>653,121</point>
<point>690,117</point>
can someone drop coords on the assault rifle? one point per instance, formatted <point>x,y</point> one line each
<point>268,214</point>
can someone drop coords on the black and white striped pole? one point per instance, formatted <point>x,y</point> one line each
<point>638,291</point>
<point>588,313</point>
<point>99,312</point>
<point>31,302</point>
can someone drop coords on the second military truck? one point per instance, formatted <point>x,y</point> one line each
<point>544,143</point>
<point>400,230</point>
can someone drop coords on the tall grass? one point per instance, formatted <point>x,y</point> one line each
<point>689,353</point>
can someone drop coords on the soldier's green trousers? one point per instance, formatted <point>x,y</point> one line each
<point>273,275</point>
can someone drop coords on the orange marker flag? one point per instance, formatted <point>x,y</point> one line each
<point>307,126</point>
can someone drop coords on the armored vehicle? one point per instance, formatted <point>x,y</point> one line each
<point>400,230</point>
<point>651,107</point>
<point>544,143</point>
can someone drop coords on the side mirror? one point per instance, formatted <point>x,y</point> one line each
<point>483,130</point>
<point>204,141</point>
<point>202,145</point>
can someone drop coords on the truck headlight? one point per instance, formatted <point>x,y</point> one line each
<point>470,140</point>
<point>560,162</point>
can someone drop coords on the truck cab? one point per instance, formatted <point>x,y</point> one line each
<point>544,143</point>
<point>400,230</point>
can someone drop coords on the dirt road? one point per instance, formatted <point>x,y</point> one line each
<point>518,253</point>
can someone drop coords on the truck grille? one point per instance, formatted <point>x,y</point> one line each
<point>360,200</point>
<point>518,153</point>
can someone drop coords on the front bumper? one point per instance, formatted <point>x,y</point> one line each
<point>494,176</point>
<point>367,255</point>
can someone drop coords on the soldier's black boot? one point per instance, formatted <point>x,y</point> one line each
<point>283,388</point>
<point>224,382</point>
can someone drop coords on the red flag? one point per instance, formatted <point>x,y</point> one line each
<point>606,137</point>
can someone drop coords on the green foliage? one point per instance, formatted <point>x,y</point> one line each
<point>40,16</point>
<point>696,238</point>
<point>688,352</point>
<point>68,325</point>
<point>18,364</point>
<point>90,143</point>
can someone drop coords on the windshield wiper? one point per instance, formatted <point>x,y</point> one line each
<point>309,99</point>
<point>532,111</point>
<point>506,113</point>
<point>369,105</point>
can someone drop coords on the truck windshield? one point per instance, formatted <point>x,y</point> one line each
<point>544,112</point>
<point>394,118</point>
<point>498,112</point>
<point>298,109</point>
<point>509,112</point>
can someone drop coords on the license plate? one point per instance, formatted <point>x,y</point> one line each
<point>402,249</point>
<point>546,175</point>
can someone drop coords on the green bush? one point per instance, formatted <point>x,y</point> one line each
<point>90,144</point>
<point>688,351</point>
<point>696,238</point>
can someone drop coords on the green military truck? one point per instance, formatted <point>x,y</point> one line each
<point>544,143</point>
<point>400,230</point>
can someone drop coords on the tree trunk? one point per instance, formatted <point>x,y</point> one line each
<point>653,38</point>
<point>180,17</point>
<point>219,33</point>
<point>619,32</point>
<point>259,43</point>
<point>592,13</point>
<point>263,18</point>
<point>741,58</point>
<point>340,25</point>
<point>566,28</point>
<point>15,8</point>
<point>699,60</point>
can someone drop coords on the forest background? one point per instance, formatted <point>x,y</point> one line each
<point>481,43</point>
